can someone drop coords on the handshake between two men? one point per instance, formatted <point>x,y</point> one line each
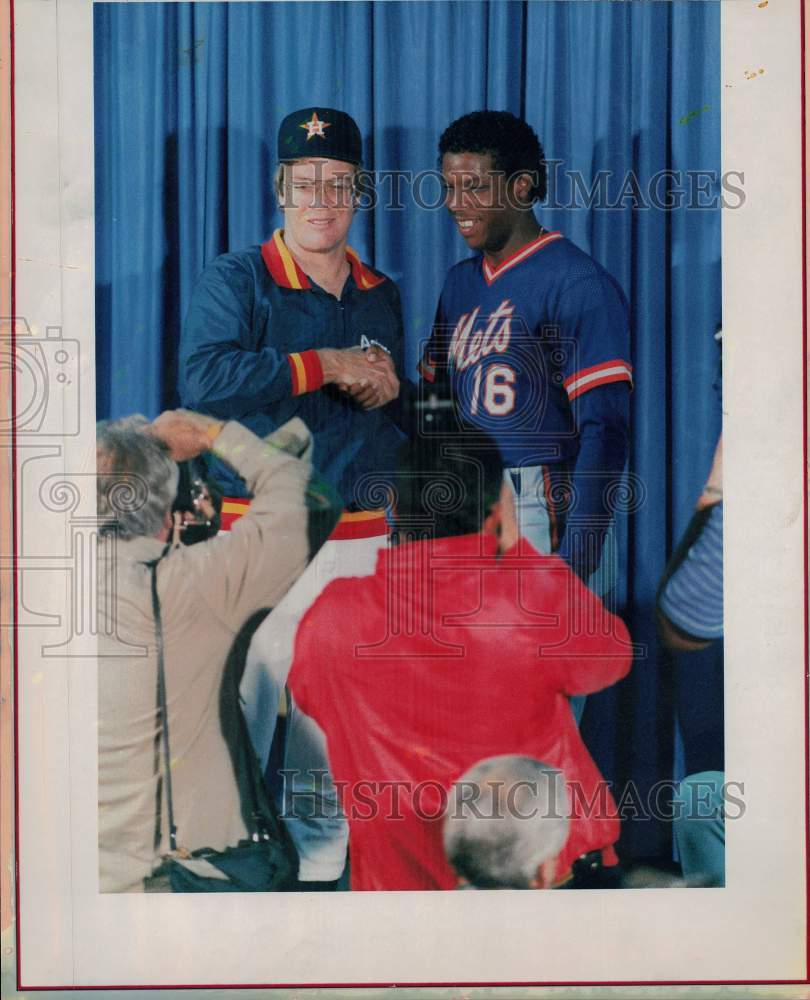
<point>368,375</point>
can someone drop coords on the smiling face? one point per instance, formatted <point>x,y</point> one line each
<point>488,210</point>
<point>318,203</point>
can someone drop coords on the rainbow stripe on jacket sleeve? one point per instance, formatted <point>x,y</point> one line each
<point>306,372</point>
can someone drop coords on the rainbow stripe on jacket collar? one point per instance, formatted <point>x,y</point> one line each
<point>286,272</point>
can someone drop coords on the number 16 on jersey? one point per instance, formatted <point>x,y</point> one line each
<point>493,389</point>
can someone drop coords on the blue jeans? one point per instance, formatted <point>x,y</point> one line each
<point>535,523</point>
<point>699,828</point>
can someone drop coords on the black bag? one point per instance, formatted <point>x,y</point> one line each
<point>268,862</point>
<point>248,867</point>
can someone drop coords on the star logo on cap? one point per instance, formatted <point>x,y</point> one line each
<point>315,127</point>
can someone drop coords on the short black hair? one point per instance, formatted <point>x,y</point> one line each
<point>511,142</point>
<point>446,482</point>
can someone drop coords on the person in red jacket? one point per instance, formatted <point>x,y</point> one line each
<point>462,645</point>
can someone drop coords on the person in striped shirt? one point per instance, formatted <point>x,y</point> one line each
<point>690,617</point>
<point>690,595</point>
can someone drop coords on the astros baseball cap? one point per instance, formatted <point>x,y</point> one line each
<point>319,132</point>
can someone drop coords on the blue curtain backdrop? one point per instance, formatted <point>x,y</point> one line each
<point>188,99</point>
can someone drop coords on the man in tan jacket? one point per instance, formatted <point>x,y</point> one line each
<point>207,592</point>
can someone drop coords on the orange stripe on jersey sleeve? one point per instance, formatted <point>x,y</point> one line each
<point>306,372</point>
<point>604,380</point>
<point>585,379</point>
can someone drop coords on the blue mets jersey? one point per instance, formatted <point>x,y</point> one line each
<point>521,342</point>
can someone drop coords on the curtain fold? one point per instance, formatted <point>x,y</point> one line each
<point>188,100</point>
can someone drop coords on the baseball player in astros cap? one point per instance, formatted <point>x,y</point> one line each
<point>280,330</point>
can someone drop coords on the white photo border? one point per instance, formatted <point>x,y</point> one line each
<point>754,930</point>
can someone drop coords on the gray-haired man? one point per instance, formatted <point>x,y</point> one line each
<point>506,822</point>
<point>206,592</point>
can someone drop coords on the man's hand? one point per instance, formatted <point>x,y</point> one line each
<point>368,376</point>
<point>184,433</point>
<point>343,367</point>
<point>384,384</point>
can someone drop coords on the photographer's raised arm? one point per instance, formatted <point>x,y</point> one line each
<point>290,516</point>
<point>186,434</point>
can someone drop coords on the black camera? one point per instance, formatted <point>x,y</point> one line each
<point>199,505</point>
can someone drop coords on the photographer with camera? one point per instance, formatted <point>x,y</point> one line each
<point>197,508</point>
<point>169,617</point>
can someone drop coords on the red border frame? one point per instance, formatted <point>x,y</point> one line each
<point>14,588</point>
<point>419,985</point>
<point>803,28</point>
<point>279,986</point>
